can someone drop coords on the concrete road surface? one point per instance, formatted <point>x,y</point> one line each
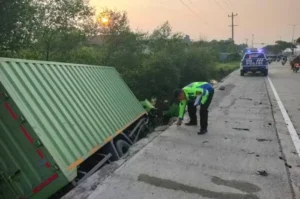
<point>249,152</point>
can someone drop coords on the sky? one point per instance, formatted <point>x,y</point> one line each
<point>268,20</point>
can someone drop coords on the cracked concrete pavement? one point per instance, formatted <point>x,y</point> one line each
<point>246,154</point>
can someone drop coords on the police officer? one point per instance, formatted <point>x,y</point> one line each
<point>189,96</point>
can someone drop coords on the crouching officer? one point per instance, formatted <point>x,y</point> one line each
<point>192,95</point>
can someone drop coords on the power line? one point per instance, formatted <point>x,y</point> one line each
<point>195,6</point>
<point>193,12</point>
<point>230,3</point>
<point>227,4</point>
<point>198,15</point>
<point>219,5</point>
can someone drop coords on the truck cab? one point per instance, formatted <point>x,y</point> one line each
<point>254,61</point>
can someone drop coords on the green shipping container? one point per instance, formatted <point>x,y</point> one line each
<point>53,116</point>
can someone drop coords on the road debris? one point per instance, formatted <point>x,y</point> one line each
<point>281,158</point>
<point>204,142</point>
<point>222,88</point>
<point>262,173</point>
<point>287,165</point>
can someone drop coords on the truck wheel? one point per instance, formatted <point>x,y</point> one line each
<point>242,73</point>
<point>122,147</point>
<point>266,73</point>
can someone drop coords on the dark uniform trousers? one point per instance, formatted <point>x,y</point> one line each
<point>203,111</point>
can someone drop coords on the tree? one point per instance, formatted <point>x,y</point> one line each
<point>112,22</point>
<point>279,46</point>
<point>16,22</point>
<point>298,41</point>
<point>62,25</point>
<point>122,48</point>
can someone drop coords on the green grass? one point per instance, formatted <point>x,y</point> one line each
<point>224,69</point>
<point>228,66</point>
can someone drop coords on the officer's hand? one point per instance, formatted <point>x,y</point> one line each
<point>179,122</point>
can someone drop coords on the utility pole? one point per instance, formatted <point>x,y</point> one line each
<point>294,25</point>
<point>252,40</point>
<point>246,42</point>
<point>232,25</point>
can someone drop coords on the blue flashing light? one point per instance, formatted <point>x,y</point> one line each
<point>260,50</point>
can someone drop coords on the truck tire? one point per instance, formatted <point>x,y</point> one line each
<point>266,73</point>
<point>242,73</point>
<point>122,147</point>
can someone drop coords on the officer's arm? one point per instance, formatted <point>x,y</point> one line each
<point>182,106</point>
<point>199,91</point>
<point>204,96</point>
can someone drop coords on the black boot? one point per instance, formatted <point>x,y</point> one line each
<point>202,131</point>
<point>191,123</point>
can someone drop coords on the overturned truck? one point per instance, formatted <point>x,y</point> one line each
<point>60,122</point>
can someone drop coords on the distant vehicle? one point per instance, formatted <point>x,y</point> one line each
<point>270,59</point>
<point>295,61</point>
<point>254,62</point>
<point>283,62</point>
<point>296,68</point>
<point>278,59</point>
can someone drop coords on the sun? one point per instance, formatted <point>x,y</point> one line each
<point>104,20</point>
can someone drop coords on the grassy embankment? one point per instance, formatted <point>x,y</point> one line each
<point>224,69</point>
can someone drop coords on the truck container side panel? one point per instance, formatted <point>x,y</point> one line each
<point>110,105</point>
<point>24,166</point>
<point>56,97</point>
<point>73,109</point>
<point>102,103</point>
<point>117,95</point>
<point>93,102</point>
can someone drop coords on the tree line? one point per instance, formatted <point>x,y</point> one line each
<point>152,64</point>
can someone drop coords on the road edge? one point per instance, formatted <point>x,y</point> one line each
<point>287,148</point>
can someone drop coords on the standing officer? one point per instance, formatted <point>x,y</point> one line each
<point>194,94</point>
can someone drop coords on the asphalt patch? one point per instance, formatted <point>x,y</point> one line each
<point>263,140</point>
<point>241,129</point>
<point>240,185</point>
<point>244,98</point>
<point>172,185</point>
